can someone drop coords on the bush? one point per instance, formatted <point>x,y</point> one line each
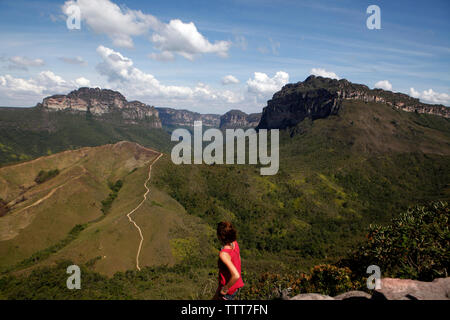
<point>324,279</point>
<point>416,245</point>
<point>107,203</point>
<point>46,175</point>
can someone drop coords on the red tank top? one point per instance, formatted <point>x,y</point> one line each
<point>224,272</point>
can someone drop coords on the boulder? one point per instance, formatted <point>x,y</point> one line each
<point>406,289</point>
<point>353,295</point>
<point>311,296</point>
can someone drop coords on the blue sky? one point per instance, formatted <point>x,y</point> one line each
<point>178,53</point>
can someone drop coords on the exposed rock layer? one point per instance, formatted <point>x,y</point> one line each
<point>237,119</point>
<point>101,102</point>
<point>176,118</point>
<point>319,97</point>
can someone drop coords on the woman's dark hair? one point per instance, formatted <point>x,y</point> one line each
<point>226,232</point>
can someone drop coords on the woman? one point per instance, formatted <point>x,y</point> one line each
<point>230,280</point>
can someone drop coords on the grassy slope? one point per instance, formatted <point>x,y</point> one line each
<point>27,133</point>
<point>336,176</point>
<point>79,189</point>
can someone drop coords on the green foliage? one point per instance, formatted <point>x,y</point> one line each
<point>45,253</point>
<point>27,133</point>
<point>107,203</point>
<point>49,283</point>
<point>415,245</point>
<point>46,175</point>
<point>324,279</point>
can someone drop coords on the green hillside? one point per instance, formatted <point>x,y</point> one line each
<point>27,133</point>
<point>337,176</point>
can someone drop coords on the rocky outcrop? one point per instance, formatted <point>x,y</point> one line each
<point>237,119</point>
<point>184,118</point>
<point>232,119</point>
<point>406,289</point>
<point>392,289</point>
<point>319,97</point>
<point>102,102</point>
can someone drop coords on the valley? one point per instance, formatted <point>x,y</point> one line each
<point>142,227</point>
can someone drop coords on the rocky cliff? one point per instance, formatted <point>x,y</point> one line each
<point>182,118</point>
<point>319,97</point>
<point>237,119</point>
<point>102,102</point>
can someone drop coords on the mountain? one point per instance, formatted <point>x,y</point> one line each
<point>319,97</point>
<point>93,117</point>
<point>81,211</point>
<point>84,117</point>
<point>234,119</point>
<point>102,102</point>
<point>174,118</point>
<point>344,164</point>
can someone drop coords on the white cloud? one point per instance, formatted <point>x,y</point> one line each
<point>105,17</point>
<point>430,96</point>
<point>323,73</point>
<point>384,84</point>
<point>74,60</point>
<point>122,24</point>
<point>229,79</point>
<point>83,82</point>
<point>163,56</point>
<point>22,63</point>
<point>184,39</point>
<point>261,87</point>
<point>130,80</point>
<point>263,84</point>
<point>22,92</point>
<point>9,83</point>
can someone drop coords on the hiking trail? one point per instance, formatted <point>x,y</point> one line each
<point>140,204</point>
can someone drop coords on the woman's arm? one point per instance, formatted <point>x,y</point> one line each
<point>226,259</point>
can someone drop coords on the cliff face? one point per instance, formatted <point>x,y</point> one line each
<point>100,102</point>
<point>318,97</point>
<point>175,118</point>
<point>237,119</point>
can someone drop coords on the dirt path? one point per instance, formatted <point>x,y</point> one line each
<point>140,204</point>
<point>51,192</point>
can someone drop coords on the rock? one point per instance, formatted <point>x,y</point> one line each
<point>311,296</point>
<point>184,118</point>
<point>101,103</point>
<point>319,97</point>
<point>234,119</point>
<point>353,295</point>
<point>231,120</point>
<point>406,289</point>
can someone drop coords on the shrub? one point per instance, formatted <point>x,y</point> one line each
<point>46,175</point>
<point>415,245</point>
<point>115,188</point>
<point>324,279</point>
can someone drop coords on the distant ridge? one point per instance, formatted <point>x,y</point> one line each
<point>319,97</point>
<point>100,102</point>
<point>234,119</point>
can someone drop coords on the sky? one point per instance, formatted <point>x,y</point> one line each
<point>213,56</point>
